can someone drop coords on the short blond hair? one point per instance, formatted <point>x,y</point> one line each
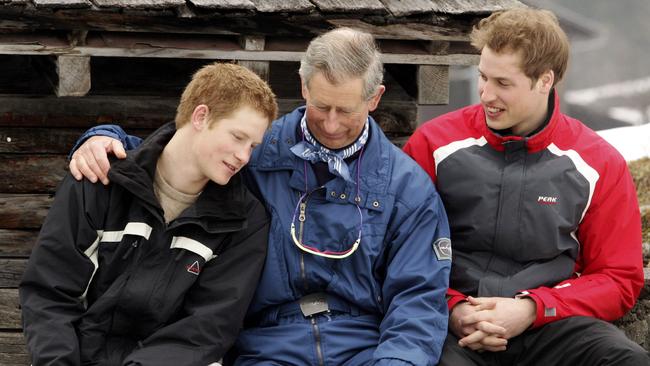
<point>225,88</point>
<point>534,33</point>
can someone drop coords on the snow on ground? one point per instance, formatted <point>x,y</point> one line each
<point>632,142</point>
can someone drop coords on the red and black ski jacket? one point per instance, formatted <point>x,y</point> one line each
<point>553,216</point>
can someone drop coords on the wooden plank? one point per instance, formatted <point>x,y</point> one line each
<point>409,30</point>
<point>178,17</point>
<point>269,24</point>
<point>438,47</point>
<point>288,6</point>
<point>224,4</point>
<point>139,4</point>
<point>17,243</point>
<point>473,6</point>
<point>147,112</point>
<point>422,59</point>
<point>130,112</point>
<point>9,309</point>
<point>31,173</point>
<point>23,211</point>
<point>347,6</point>
<point>13,351</point>
<point>433,84</point>
<point>38,140</point>
<point>11,271</point>
<point>400,8</point>
<point>74,76</point>
<point>255,43</point>
<point>62,4</point>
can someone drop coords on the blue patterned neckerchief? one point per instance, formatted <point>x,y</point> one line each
<point>311,150</point>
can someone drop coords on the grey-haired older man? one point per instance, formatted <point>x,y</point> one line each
<point>359,251</point>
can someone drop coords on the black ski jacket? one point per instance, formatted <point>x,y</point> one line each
<point>110,283</point>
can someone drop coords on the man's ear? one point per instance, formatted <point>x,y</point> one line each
<point>374,100</point>
<point>200,117</point>
<point>545,81</point>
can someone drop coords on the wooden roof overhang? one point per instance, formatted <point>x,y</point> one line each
<point>417,32</point>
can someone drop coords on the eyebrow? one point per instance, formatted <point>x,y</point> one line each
<point>236,129</point>
<point>497,78</point>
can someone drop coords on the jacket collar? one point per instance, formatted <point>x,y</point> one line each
<point>214,206</point>
<point>274,154</point>
<point>533,143</point>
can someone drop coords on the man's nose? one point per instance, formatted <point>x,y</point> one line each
<point>244,154</point>
<point>485,93</point>
<point>331,122</point>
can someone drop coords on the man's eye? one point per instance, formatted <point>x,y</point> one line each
<point>237,137</point>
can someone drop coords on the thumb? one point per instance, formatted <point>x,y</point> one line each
<point>482,303</point>
<point>118,149</point>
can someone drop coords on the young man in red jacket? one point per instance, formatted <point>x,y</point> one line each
<point>544,219</point>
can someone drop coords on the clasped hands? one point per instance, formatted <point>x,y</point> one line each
<point>486,323</point>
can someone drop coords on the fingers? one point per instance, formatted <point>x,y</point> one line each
<point>74,170</point>
<point>479,341</point>
<point>491,328</point>
<point>79,169</point>
<point>98,160</point>
<point>91,159</point>
<point>118,149</point>
<point>476,317</point>
<point>482,303</point>
<point>469,340</point>
<point>494,342</point>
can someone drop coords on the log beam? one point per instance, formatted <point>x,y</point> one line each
<point>22,211</point>
<point>433,84</point>
<point>13,351</point>
<point>255,43</point>
<point>74,76</point>
<point>11,271</point>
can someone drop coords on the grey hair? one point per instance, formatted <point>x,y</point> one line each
<point>341,54</point>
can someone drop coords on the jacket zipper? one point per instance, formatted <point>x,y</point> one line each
<point>319,350</point>
<point>314,324</point>
<point>301,218</point>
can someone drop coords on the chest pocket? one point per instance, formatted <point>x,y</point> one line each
<point>108,252</point>
<point>186,260</point>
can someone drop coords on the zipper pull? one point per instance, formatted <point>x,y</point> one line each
<point>303,208</point>
<point>130,250</point>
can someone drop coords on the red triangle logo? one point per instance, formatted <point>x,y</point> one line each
<point>194,268</point>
